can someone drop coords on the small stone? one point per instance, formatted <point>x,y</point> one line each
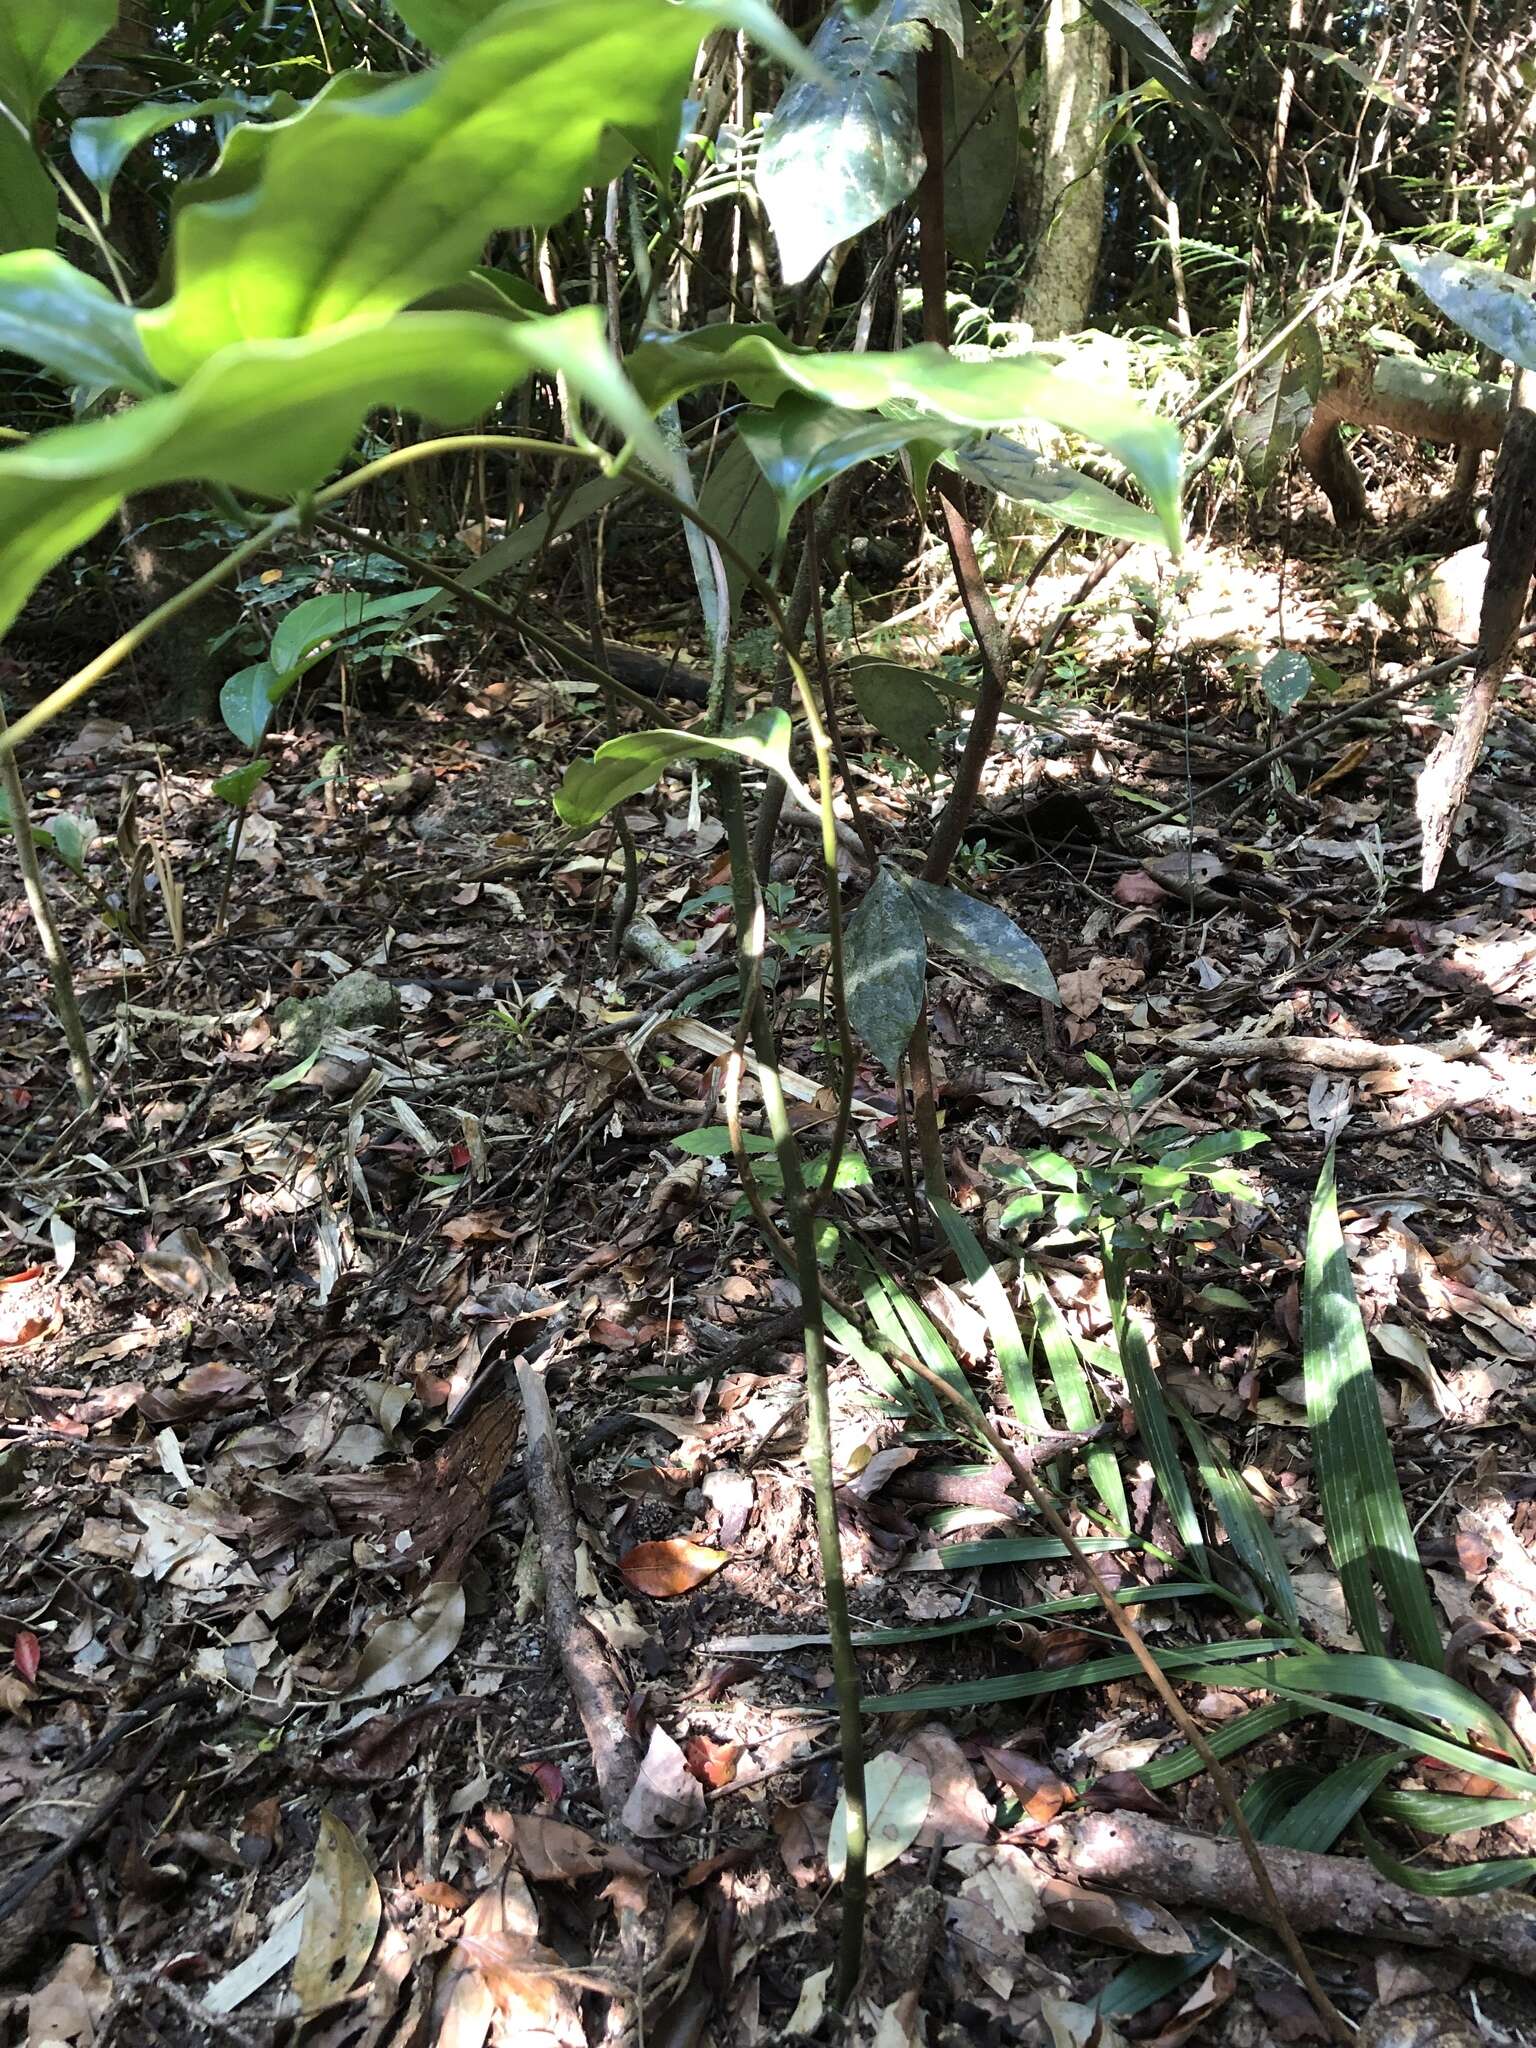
<point>358,1002</point>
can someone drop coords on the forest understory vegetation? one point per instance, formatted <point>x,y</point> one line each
<point>767,1023</point>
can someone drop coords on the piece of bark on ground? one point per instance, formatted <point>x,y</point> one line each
<point>1333,1894</point>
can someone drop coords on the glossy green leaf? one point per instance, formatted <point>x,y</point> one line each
<point>1002,1324</point>
<point>905,1327</point>
<point>1249,1534</point>
<point>1449,1880</point>
<point>1369,1535</point>
<point>29,211</point>
<point>102,143</point>
<point>40,40</point>
<point>987,1551</point>
<point>363,203</point>
<point>1001,391</point>
<point>984,937</point>
<point>70,324</point>
<point>241,784</point>
<point>1140,37</point>
<point>302,633</point>
<point>737,501</point>
<point>624,766</point>
<point>1446,1813</point>
<point>1151,1412</point>
<point>309,396</point>
<point>903,707</point>
<point>71,838</point>
<point>1316,1820</point>
<point>1285,679</point>
<point>1407,1688</point>
<point>1074,1390</point>
<point>885,958</point>
<point>1255,1724</point>
<point>802,444</point>
<point>842,147</point>
<point>1012,471</point>
<point>981,153</point>
<point>245,703</point>
<point>1025,1685</point>
<point>1491,305</point>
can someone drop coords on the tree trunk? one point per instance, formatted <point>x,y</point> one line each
<point>1061,194</point>
<point>1405,398</point>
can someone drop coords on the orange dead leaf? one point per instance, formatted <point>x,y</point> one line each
<point>674,1565</point>
<point>1352,758</point>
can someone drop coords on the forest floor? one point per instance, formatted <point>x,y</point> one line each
<point>272,1611</point>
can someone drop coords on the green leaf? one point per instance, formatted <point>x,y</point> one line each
<point>885,958</point>
<point>245,703</point>
<point>966,1557</point>
<point>842,147</point>
<point>1024,1685</point>
<point>309,398</point>
<point>713,1141</point>
<point>1446,1813</point>
<point>1002,1324</point>
<point>903,707</point>
<point>1140,37</point>
<point>40,40</point>
<point>905,1327</point>
<point>1284,391</point>
<point>440,24</point>
<point>1257,1724</point>
<point>1016,472</point>
<point>1285,679</point>
<point>1449,1880</point>
<point>1369,1536</point>
<point>1250,1535</point>
<point>1491,305</point>
<point>737,500</point>
<point>363,202</point>
<point>897,1795</point>
<point>304,633</point>
<point>1002,391</point>
<point>984,937</point>
<point>102,143</point>
<point>1074,1390</point>
<point>981,139</point>
<point>1408,1689</point>
<point>802,444</point>
<point>71,838</point>
<point>29,211</point>
<point>1151,1412</point>
<point>624,766</point>
<point>240,784</point>
<point>1317,1819</point>
<point>69,323</point>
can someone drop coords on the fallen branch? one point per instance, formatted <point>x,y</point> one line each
<point>1338,1055</point>
<point>600,1698</point>
<point>1333,1894</point>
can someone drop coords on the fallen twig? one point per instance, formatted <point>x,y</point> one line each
<point>1339,1055</point>
<point>1338,1894</point>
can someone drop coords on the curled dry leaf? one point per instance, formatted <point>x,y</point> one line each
<point>499,1967</point>
<point>1038,1789</point>
<point>184,1266</point>
<point>1112,1789</point>
<point>1078,2026</point>
<point>205,1390</point>
<point>28,1654</point>
<point>672,1566</point>
<point>410,1648</point>
<point>666,1796</point>
<point>1114,1918</point>
<point>340,1920</point>
<point>26,1319</point>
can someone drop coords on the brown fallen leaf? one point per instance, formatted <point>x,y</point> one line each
<point>1203,2003</point>
<point>674,1565</point>
<point>958,1810</point>
<point>1115,1918</point>
<point>340,1921</point>
<point>1038,1789</point>
<point>803,1832</point>
<point>712,1763</point>
<point>557,1852</point>
<point>205,1390</point>
<point>500,1968</point>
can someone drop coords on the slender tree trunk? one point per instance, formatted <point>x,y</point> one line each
<point>1062,188</point>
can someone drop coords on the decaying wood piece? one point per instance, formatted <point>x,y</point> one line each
<point>1337,1055</point>
<point>1333,1894</point>
<point>595,1687</point>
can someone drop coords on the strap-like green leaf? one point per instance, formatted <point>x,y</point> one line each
<point>1002,1324</point>
<point>1369,1536</point>
<point>1023,1685</point>
<point>1075,1392</point>
<point>1151,1412</point>
<point>1247,1531</point>
<point>624,766</point>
